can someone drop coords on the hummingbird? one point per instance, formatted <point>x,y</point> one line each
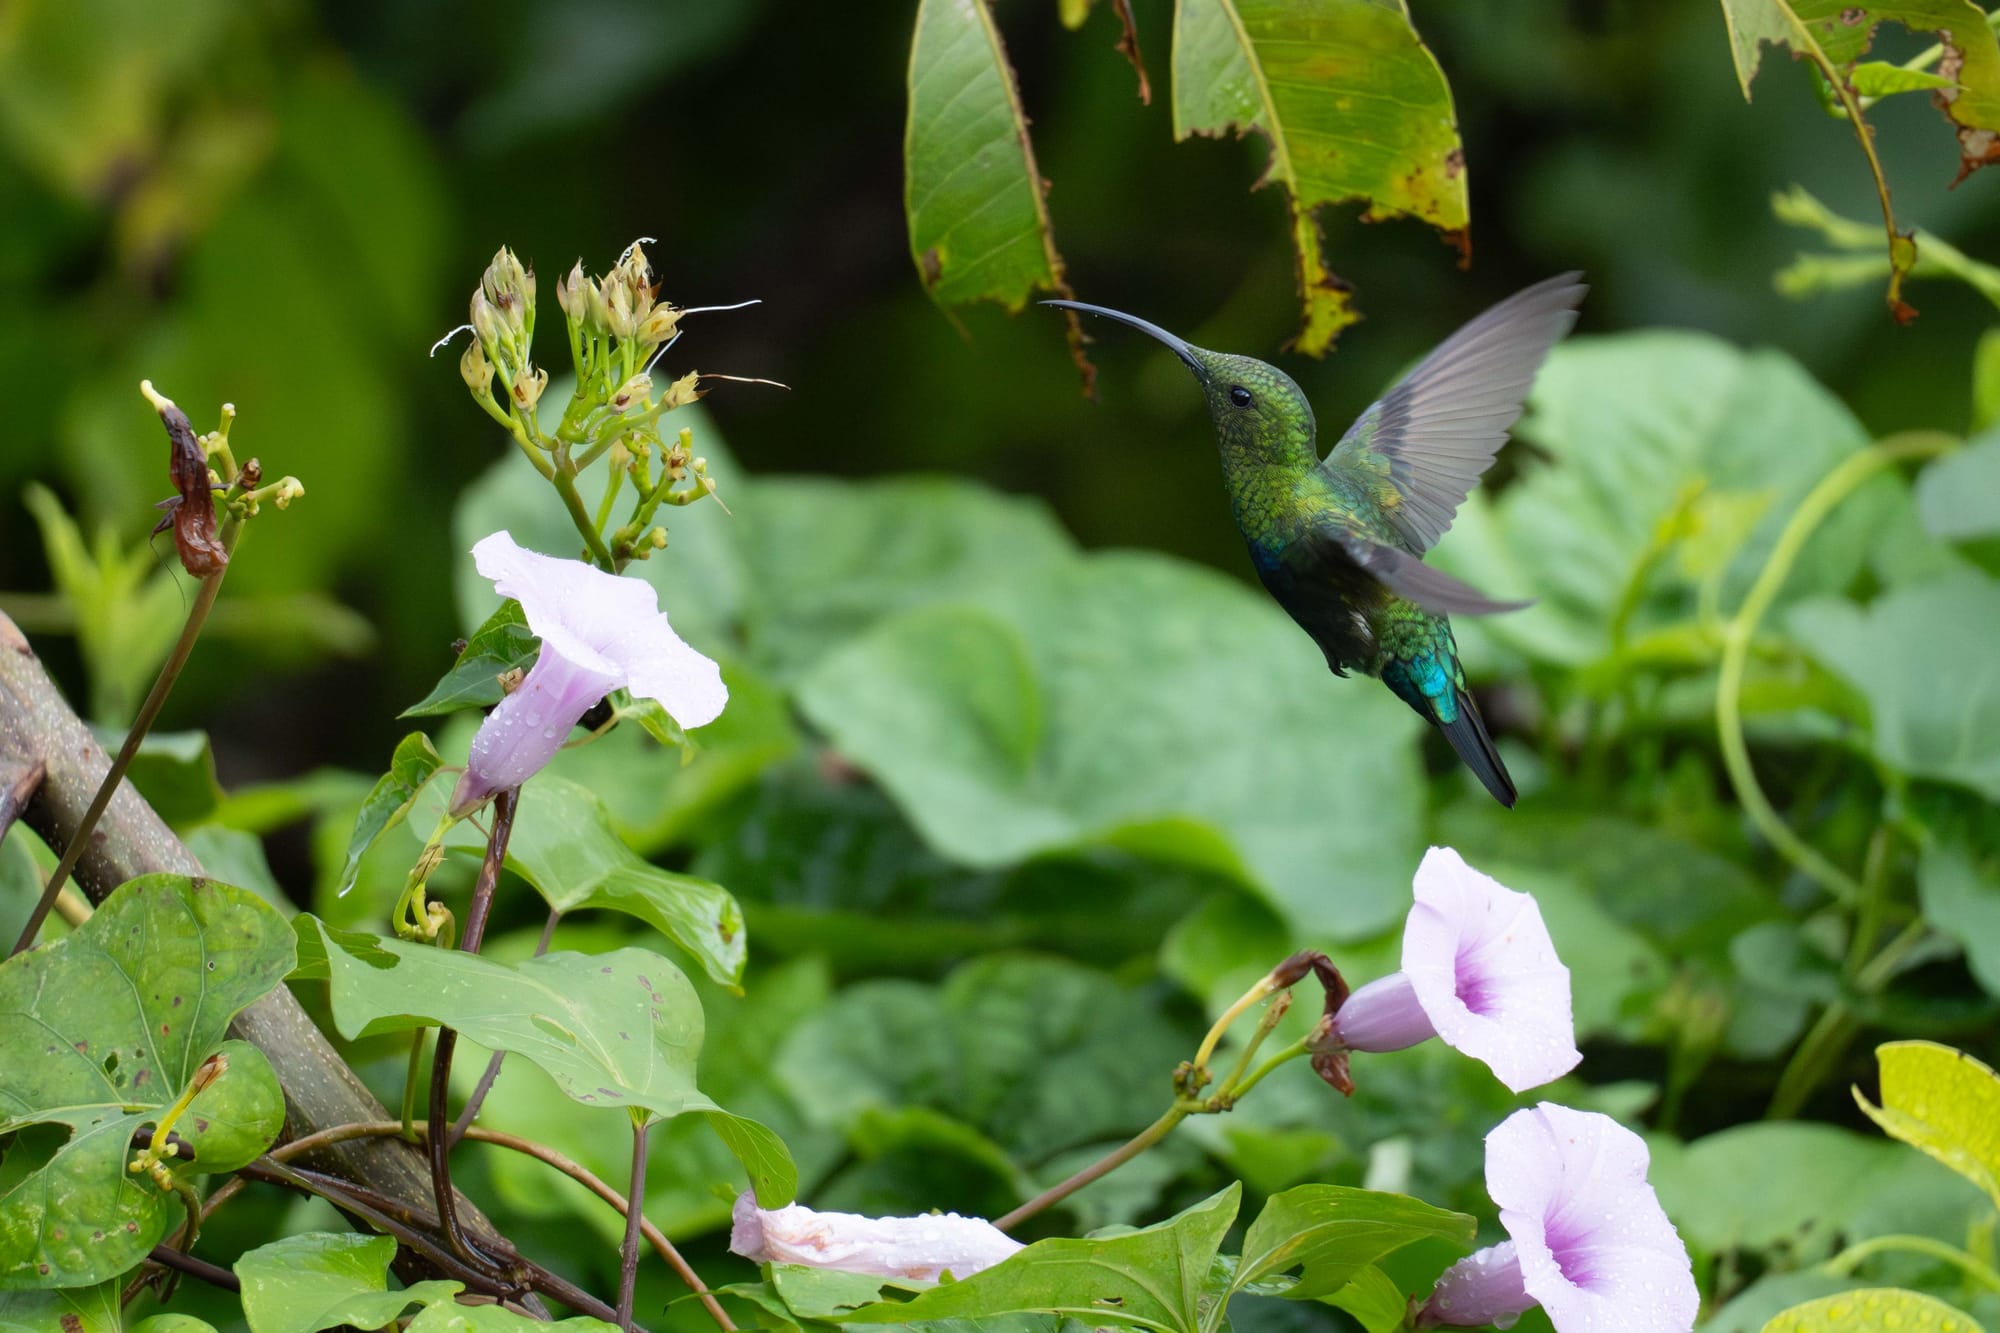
<point>1339,541</point>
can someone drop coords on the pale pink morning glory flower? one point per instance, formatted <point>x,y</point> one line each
<point>1590,1243</point>
<point>599,632</point>
<point>912,1247</point>
<point>1479,972</point>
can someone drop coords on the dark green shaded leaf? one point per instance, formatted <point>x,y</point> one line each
<point>615,1029</point>
<point>1332,1232</point>
<point>504,643</point>
<point>1961,897</point>
<point>78,1310</point>
<point>414,764</point>
<point>98,1032</point>
<point>1355,108</point>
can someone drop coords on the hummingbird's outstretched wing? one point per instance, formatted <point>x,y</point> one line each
<point>1422,448</point>
<point>1414,581</point>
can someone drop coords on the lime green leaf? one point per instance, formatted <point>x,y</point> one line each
<point>1878,78</point>
<point>323,1279</point>
<point>498,1319</point>
<point>564,845</point>
<point>1156,1278</point>
<point>1921,656</point>
<point>504,643</point>
<point>1355,108</point>
<point>169,1323</point>
<point>1944,1102</point>
<point>1986,381</point>
<point>979,226</point>
<point>1332,1232</point>
<point>1840,34</point>
<point>945,706</point>
<point>1958,496</point>
<point>98,1032</point>
<point>615,1029</point>
<point>1871,1309</point>
<point>1375,1301</point>
<point>79,1310</point>
<point>414,764</point>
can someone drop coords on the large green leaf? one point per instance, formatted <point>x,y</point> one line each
<point>101,1030</point>
<point>1139,702</point>
<point>1958,496</point>
<point>323,1279</point>
<point>1960,892</point>
<point>411,768</point>
<point>564,845</point>
<point>1331,1233</point>
<point>1872,1309</point>
<point>1354,106</point>
<point>503,643</point>
<point>1156,1278</point>
<point>979,225</point>
<point>614,1029</point>
<point>1922,656</point>
<point>1669,462</point>
<point>81,1310</point>
<point>1944,1102</point>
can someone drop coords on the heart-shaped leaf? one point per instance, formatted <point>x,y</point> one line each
<point>1333,1232</point>
<point>324,1279</point>
<point>100,1031</point>
<point>81,1310</point>
<point>504,643</point>
<point>414,764</point>
<point>615,1029</point>
<point>1944,1102</point>
<point>1872,1309</point>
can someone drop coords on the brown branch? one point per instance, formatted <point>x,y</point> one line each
<point>37,725</point>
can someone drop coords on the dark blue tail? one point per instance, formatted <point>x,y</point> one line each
<point>1467,734</point>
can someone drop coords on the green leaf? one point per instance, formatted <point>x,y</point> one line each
<point>1871,1309</point>
<point>1121,655</point>
<point>1944,1102</point>
<point>79,1310</point>
<point>1375,1301</point>
<point>1333,1232</point>
<point>1878,78</point>
<point>615,1029</point>
<point>323,1279</point>
<point>1156,1278</point>
<point>1985,382</point>
<point>1842,33</point>
<point>1958,496</point>
<point>1921,655</point>
<point>1355,108</point>
<point>414,764</point>
<point>98,1032</point>
<point>979,225</point>
<point>170,1323</point>
<point>504,643</point>
<point>1650,444</point>
<point>443,1318</point>
<point>173,770</point>
<point>1960,894</point>
<point>564,845</point>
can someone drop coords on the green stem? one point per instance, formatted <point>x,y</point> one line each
<point>1103,1166</point>
<point>1853,1256</point>
<point>635,1199</point>
<point>410,1083</point>
<point>1832,489</point>
<point>1288,1053</point>
<point>149,712</point>
<point>565,482</point>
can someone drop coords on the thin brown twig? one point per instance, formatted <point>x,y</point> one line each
<point>576,1171</point>
<point>635,1213</point>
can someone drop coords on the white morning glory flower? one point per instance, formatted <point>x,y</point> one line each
<point>912,1247</point>
<point>1479,972</point>
<point>599,632</point>
<point>1590,1243</point>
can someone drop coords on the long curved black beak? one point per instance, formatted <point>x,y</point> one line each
<point>1179,346</point>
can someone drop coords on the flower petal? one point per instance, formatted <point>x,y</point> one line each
<point>913,1247</point>
<point>525,729</point>
<point>1482,965</point>
<point>1595,1247</point>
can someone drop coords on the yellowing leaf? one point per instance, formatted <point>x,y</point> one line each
<point>1944,1102</point>
<point>1355,108</point>
<point>1871,1309</point>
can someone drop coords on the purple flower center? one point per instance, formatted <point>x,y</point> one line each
<point>1473,985</point>
<point>1570,1246</point>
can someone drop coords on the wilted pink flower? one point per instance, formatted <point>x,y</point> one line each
<point>1590,1243</point>
<point>913,1247</point>
<point>1479,971</point>
<point>599,632</point>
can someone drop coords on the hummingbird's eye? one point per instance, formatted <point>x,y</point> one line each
<point>1240,395</point>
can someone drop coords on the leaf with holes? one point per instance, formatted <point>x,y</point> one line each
<point>615,1029</point>
<point>979,224</point>
<point>1355,108</point>
<point>1944,1102</point>
<point>100,1031</point>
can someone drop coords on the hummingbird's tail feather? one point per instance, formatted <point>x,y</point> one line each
<point>1467,734</point>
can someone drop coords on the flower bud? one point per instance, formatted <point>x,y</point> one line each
<point>573,294</point>
<point>683,390</point>
<point>509,289</point>
<point>476,370</point>
<point>635,390</point>
<point>528,386</point>
<point>488,326</point>
<point>660,325</point>
<point>289,489</point>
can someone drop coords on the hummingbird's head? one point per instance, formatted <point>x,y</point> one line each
<point>1254,404</point>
